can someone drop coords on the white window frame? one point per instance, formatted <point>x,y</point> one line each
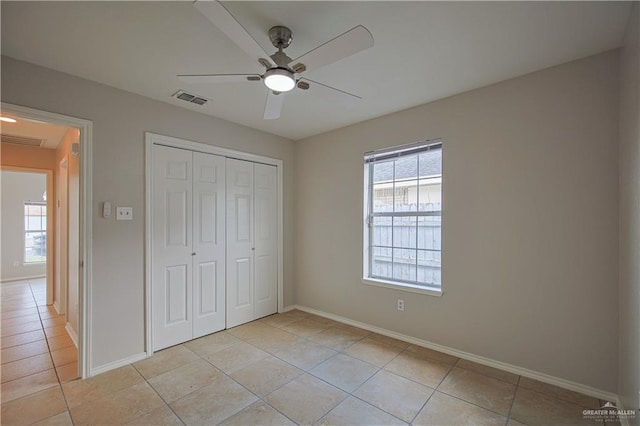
<point>368,215</point>
<point>41,230</point>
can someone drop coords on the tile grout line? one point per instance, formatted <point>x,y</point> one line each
<point>260,398</point>
<point>160,396</point>
<point>338,351</point>
<point>46,338</point>
<point>406,350</point>
<point>379,369</point>
<point>308,371</point>
<point>27,284</point>
<point>304,371</point>
<point>513,401</point>
<point>434,391</point>
<point>59,385</point>
<point>351,394</point>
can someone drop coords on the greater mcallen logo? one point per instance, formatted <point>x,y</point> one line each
<point>608,413</point>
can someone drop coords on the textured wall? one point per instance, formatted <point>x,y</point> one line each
<point>530,222</point>
<point>119,122</point>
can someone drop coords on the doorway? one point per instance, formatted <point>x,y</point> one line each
<point>60,147</point>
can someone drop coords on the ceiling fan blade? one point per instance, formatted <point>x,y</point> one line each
<point>219,78</point>
<point>215,12</point>
<point>346,44</point>
<point>274,105</point>
<point>327,92</point>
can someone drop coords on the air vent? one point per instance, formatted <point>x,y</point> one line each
<point>21,140</point>
<point>188,97</point>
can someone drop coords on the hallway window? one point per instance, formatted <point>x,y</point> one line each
<point>35,232</point>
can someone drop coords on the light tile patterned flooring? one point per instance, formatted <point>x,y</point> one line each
<point>36,354</point>
<point>296,368</point>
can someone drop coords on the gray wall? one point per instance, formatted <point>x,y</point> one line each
<point>119,122</point>
<point>18,187</point>
<point>530,222</point>
<point>629,382</point>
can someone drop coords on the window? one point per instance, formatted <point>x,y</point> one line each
<point>35,232</point>
<point>403,217</point>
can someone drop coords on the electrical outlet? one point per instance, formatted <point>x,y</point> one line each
<point>16,263</point>
<point>124,213</point>
<point>400,305</point>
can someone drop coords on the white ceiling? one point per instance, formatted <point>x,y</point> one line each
<point>51,134</point>
<point>423,50</point>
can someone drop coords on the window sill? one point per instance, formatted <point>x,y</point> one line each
<point>402,287</point>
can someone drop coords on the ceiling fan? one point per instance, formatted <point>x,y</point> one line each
<point>282,74</point>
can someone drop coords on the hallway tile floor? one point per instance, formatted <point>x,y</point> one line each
<point>35,350</point>
<point>295,368</point>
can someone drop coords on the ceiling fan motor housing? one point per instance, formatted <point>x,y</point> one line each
<point>280,36</point>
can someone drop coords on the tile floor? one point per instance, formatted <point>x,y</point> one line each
<point>36,354</point>
<point>296,368</point>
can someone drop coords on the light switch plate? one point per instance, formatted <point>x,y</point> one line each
<point>124,213</point>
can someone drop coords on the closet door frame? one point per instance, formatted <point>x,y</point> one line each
<point>152,139</point>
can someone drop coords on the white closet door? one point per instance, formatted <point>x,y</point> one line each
<point>240,242</point>
<point>172,233</point>
<point>208,244</point>
<point>266,241</point>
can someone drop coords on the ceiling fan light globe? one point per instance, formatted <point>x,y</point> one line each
<point>279,80</point>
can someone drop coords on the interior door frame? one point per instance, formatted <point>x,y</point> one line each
<point>62,278</point>
<point>157,139</point>
<point>86,198</point>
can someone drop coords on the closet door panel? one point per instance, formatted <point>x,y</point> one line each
<point>208,243</point>
<point>240,242</point>
<point>266,240</point>
<point>171,273</point>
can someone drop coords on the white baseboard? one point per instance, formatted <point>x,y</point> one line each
<point>546,378</point>
<point>117,364</point>
<point>56,306</point>
<point>72,334</point>
<point>30,277</point>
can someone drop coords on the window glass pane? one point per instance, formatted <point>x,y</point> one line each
<point>404,232</point>
<point>404,264</point>
<point>383,186</point>
<point>382,231</point>
<point>406,184</point>
<point>430,195</point>
<point>381,265</point>
<point>430,185</point>
<point>35,240</point>
<point>382,171</point>
<point>429,271</point>
<point>430,232</point>
<point>431,163</point>
<point>34,224</point>
<point>35,247</point>
<point>383,197</point>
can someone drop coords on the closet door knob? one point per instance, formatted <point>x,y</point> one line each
<point>193,254</point>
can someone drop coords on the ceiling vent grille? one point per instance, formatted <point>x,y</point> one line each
<point>188,97</point>
<point>20,140</point>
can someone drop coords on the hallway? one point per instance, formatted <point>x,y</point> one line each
<point>37,353</point>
